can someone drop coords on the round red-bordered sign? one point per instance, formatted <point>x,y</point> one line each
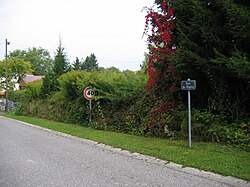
<point>89,93</point>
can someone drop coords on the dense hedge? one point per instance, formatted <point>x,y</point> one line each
<point>121,104</point>
<point>113,90</point>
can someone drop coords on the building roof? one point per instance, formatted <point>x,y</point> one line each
<point>31,78</point>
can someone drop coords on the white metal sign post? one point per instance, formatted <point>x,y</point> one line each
<point>89,94</point>
<point>189,85</point>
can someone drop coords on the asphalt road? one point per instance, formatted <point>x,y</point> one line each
<point>34,157</point>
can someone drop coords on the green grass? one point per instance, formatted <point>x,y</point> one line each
<point>221,159</point>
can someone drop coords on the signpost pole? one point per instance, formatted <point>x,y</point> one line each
<point>89,93</point>
<point>189,85</point>
<point>189,120</point>
<point>90,108</point>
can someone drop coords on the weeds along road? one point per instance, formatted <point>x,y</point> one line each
<point>30,156</point>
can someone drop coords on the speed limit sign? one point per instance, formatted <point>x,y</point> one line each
<point>89,93</point>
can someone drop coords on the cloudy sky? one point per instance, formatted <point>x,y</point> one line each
<point>111,29</point>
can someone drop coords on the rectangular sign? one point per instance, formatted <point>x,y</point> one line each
<point>188,85</point>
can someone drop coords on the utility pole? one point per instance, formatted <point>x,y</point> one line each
<point>6,76</point>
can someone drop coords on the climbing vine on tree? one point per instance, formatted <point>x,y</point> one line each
<point>159,28</point>
<point>163,78</point>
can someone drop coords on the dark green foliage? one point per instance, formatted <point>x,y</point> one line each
<point>90,63</point>
<point>50,85</point>
<point>202,121</point>
<point>61,64</point>
<point>77,64</point>
<point>235,133</point>
<point>212,39</point>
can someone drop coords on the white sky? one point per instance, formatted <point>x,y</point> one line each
<point>111,29</point>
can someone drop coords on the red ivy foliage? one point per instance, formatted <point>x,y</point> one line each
<point>163,79</point>
<point>159,27</point>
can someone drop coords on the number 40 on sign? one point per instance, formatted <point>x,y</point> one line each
<point>89,93</point>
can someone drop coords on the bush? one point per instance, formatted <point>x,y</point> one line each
<point>122,104</point>
<point>15,95</point>
<point>33,89</point>
<point>201,124</point>
<point>235,133</point>
<point>114,90</point>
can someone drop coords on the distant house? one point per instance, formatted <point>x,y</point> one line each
<point>2,93</point>
<point>27,79</point>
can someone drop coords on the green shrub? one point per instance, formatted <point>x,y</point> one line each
<point>235,133</point>
<point>201,123</point>
<point>114,90</point>
<point>122,104</point>
<point>33,89</point>
<point>17,95</point>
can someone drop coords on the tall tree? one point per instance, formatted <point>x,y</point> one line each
<point>90,63</point>
<point>61,64</point>
<point>17,68</point>
<point>159,28</point>
<point>39,58</point>
<point>77,64</point>
<point>163,79</point>
<point>213,47</point>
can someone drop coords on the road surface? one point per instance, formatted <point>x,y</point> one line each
<point>31,156</point>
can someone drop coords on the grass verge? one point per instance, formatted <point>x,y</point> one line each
<point>222,159</point>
